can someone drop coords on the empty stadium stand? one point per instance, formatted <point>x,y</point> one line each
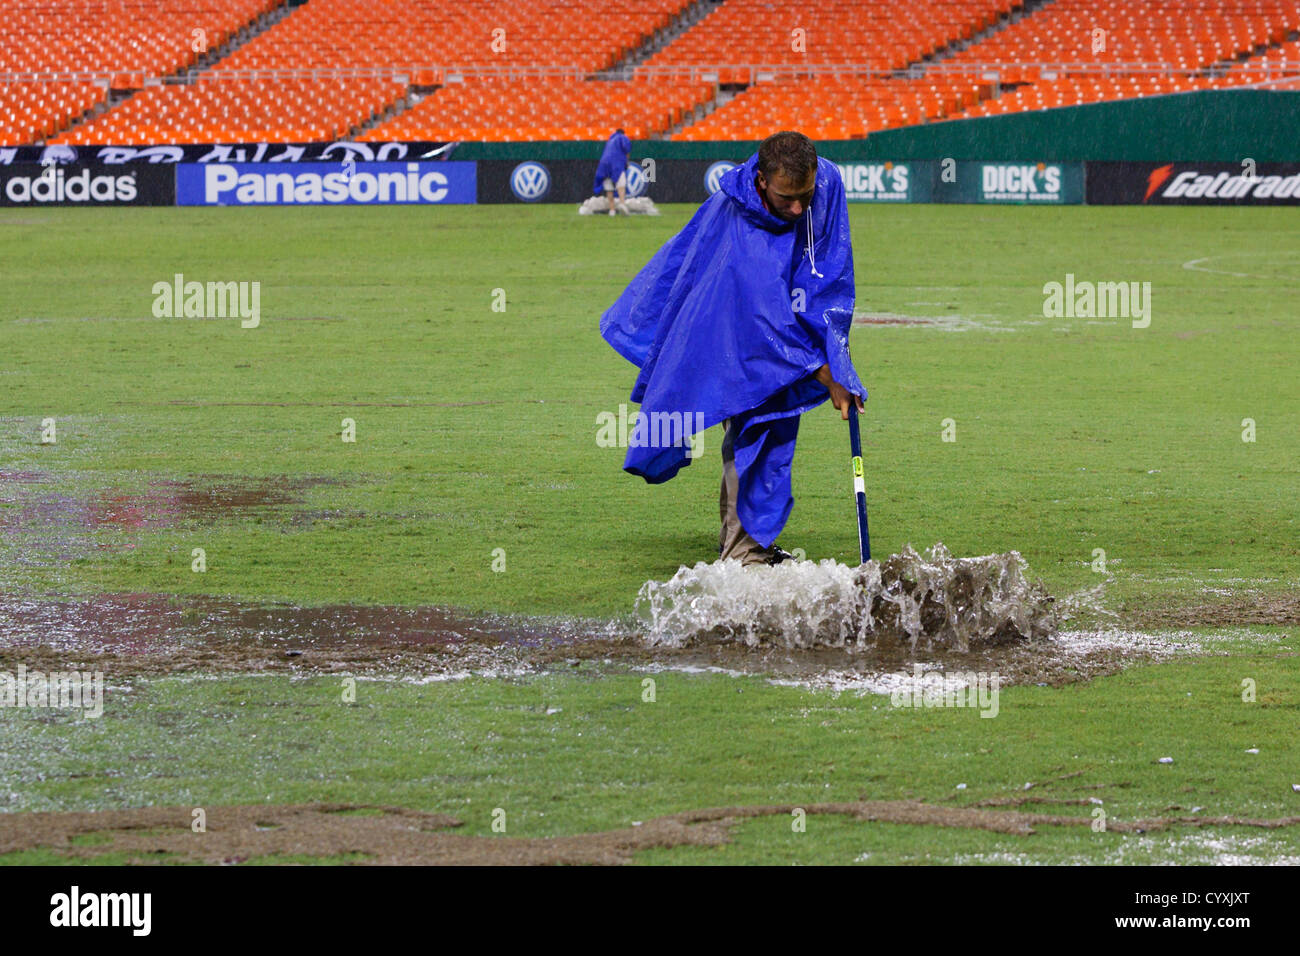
<point>1072,52</point>
<point>1281,60</point>
<point>127,39</point>
<point>60,59</point>
<point>837,108</point>
<point>172,71</point>
<point>879,34</point>
<point>1082,35</point>
<point>554,108</point>
<point>270,111</point>
<point>32,112</point>
<point>585,36</point>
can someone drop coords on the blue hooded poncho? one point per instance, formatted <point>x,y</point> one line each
<point>711,321</point>
<point>613,160</point>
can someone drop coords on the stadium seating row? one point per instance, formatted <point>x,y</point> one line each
<point>130,38</point>
<point>881,34</point>
<point>35,111</point>
<point>431,63</point>
<point>554,109</point>
<point>1183,34</point>
<point>837,108</point>
<point>1076,91</point>
<point>589,35</point>
<point>1285,58</point>
<point>277,111</point>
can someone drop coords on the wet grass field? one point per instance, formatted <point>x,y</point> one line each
<point>1111,457</point>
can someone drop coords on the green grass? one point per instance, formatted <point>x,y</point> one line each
<point>476,431</point>
<point>607,758</point>
<point>1101,436</point>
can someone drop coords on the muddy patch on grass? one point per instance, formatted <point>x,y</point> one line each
<point>44,520</point>
<point>33,507</point>
<point>396,835</point>
<point>502,401</point>
<point>1225,611</point>
<point>944,323</point>
<point>888,320</point>
<point>26,477</point>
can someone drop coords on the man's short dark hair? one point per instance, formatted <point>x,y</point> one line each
<point>788,152</point>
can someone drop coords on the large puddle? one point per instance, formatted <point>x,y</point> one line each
<point>872,627</point>
<point>158,623</point>
<point>127,635</point>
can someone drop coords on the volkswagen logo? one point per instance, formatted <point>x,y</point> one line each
<point>713,176</point>
<point>530,181</point>
<point>636,180</point>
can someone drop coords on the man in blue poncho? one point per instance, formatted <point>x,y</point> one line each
<point>611,172</point>
<point>743,318</point>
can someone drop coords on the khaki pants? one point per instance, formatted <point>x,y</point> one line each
<point>734,541</point>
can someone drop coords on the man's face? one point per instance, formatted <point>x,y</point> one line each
<point>784,196</point>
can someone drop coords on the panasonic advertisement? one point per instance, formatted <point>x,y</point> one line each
<point>346,183</point>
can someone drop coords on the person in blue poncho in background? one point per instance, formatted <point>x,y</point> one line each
<point>611,173</point>
<point>743,318</point>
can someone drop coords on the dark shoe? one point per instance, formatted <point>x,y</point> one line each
<point>778,555</point>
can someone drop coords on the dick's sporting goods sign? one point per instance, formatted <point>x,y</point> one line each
<point>884,182</point>
<point>1157,184</point>
<point>1033,183</point>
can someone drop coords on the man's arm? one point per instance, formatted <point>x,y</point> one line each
<point>840,396</point>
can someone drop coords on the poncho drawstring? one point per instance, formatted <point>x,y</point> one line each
<point>812,259</point>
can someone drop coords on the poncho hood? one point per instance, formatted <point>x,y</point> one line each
<point>729,320</point>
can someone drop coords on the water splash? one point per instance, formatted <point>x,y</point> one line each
<point>934,600</point>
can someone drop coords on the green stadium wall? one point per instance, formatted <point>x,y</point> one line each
<point>1206,126</point>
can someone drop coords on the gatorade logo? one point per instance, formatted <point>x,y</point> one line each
<point>1207,186</point>
<point>1157,179</point>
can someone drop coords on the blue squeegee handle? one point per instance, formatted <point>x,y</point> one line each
<point>859,484</point>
